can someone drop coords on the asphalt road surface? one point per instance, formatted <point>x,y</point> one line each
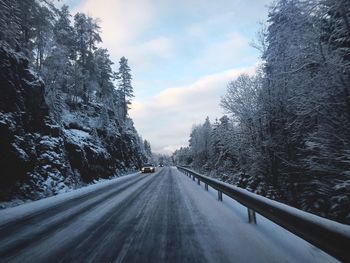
<point>160,217</point>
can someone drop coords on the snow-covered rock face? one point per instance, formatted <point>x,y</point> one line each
<point>39,157</point>
<point>88,156</point>
<point>31,151</point>
<point>22,93</point>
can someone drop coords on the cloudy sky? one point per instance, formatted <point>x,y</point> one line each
<point>182,54</point>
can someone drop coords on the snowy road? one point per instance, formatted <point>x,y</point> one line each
<point>161,217</point>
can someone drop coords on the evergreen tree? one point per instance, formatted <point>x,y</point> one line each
<point>10,23</point>
<point>57,69</point>
<point>87,36</point>
<point>105,76</point>
<point>64,32</point>
<point>124,86</point>
<point>43,24</point>
<point>147,147</point>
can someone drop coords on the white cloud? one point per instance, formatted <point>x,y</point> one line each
<point>122,24</point>
<point>146,54</point>
<point>121,21</point>
<point>166,119</point>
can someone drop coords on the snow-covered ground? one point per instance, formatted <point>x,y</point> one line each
<point>32,207</point>
<point>248,242</point>
<point>161,217</point>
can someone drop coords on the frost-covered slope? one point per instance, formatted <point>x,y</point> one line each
<point>40,156</point>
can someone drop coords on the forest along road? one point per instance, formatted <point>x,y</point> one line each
<point>160,217</point>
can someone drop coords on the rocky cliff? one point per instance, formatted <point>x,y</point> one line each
<point>39,157</point>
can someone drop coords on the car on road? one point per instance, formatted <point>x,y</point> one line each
<point>148,168</point>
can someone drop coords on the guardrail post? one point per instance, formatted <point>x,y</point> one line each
<point>219,196</point>
<point>251,216</point>
<point>206,187</point>
<point>198,181</point>
<point>193,178</point>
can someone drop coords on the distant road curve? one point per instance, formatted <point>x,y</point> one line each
<point>160,217</point>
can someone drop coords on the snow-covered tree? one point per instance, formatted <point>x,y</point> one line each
<point>124,86</point>
<point>288,135</point>
<point>147,147</point>
<point>10,22</point>
<point>105,76</point>
<point>87,37</point>
<point>64,32</point>
<point>200,143</point>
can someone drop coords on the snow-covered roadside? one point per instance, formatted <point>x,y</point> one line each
<point>32,207</point>
<point>265,241</point>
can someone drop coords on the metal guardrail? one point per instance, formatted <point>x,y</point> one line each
<point>330,236</point>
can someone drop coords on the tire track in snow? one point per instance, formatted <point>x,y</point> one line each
<point>31,230</point>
